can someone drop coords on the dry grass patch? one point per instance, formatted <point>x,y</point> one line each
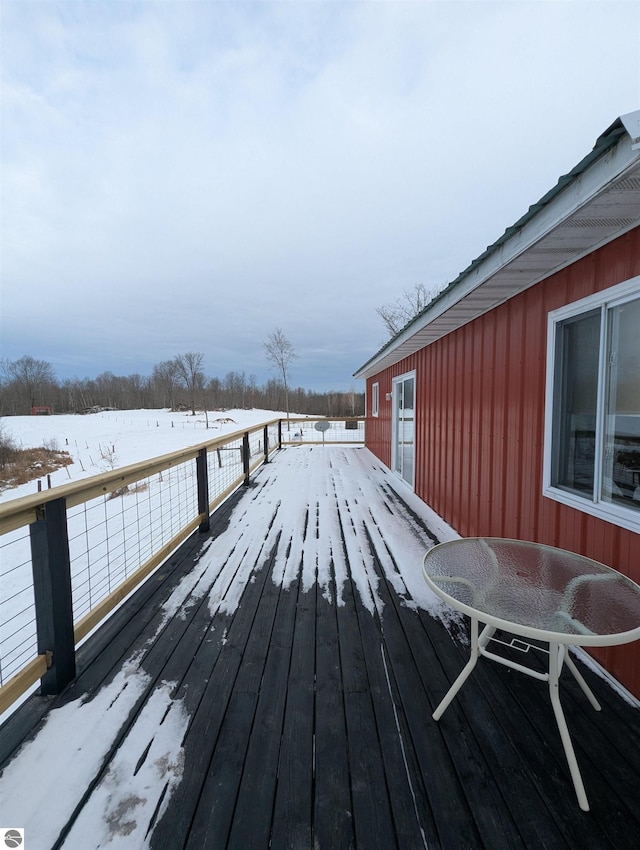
<point>24,465</point>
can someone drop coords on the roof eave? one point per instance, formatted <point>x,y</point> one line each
<point>615,154</point>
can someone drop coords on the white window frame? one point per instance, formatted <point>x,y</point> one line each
<point>609,511</point>
<point>375,398</point>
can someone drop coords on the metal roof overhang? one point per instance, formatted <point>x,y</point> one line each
<point>597,202</point>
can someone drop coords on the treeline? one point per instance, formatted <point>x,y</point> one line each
<point>28,383</point>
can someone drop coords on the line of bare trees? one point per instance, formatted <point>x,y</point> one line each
<point>178,384</point>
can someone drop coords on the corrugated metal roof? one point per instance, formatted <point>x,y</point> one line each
<point>596,201</point>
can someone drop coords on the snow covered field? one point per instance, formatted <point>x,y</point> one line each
<point>96,441</point>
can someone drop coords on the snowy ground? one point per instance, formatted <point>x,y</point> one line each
<point>123,800</point>
<point>108,539</point>
<point>123,437</point>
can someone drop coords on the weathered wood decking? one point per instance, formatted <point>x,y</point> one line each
<point>306,706</point>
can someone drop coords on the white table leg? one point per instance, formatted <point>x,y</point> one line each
<point>556,657</point>
<point>476,645</point>
<point>580,680</point>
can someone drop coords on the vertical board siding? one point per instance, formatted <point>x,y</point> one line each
<point>480,395</point>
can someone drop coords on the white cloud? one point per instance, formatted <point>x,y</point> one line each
<point>168,162</point>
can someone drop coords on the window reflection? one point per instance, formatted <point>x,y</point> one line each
<point>621,458</point>
<point>596,433</point>
<point>578,343</point>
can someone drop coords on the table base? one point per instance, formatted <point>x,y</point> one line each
<point>558,655</point>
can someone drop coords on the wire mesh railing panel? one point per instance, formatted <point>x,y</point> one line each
<point>173,502</point>
<point>112,536</point>
<point>224,468</point>
<point>141,513</point>
<point>256,445</point>
<point>18,637</point>
<point>334,431</point>
<point>88,553</point>
<point>272,436</point>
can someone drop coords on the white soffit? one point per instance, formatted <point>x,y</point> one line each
<point>600,204</point>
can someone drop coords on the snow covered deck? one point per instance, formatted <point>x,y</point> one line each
<point>272,686</point>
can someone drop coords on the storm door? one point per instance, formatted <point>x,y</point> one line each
<point>403,430</point>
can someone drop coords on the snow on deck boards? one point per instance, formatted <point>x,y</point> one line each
<point>272,686</point>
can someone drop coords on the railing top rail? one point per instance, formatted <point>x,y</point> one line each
<point>22,510</point>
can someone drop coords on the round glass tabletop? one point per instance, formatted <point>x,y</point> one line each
<point>535,590</point>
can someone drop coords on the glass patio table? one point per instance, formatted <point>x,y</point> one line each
<point>537,592</point>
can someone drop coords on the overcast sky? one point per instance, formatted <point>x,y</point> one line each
<point>187,176</point>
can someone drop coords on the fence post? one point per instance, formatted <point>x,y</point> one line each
<point>202,475</point>
<point>266,444</point>
<point>279,433</point>
<point>246,457</point>
<point>52,593</point>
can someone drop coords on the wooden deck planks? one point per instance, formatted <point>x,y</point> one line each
<point>310,721</point>
<point>545,760</point>
<point>490,819</point>
<point>254,805</point>
<point>333,805</point>
<point>293,813</point>
<point>214,685</point>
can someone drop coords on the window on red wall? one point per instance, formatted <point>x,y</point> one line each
<point>592,439</point>
<point>375,398</point>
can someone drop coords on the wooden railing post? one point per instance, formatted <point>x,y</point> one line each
<point>52,593</point>
<point>266,443</point>
<point>279,433</point>
<point>202,475</point>
<point>246,457</point>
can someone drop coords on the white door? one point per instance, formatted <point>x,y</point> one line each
<point>403,432</point>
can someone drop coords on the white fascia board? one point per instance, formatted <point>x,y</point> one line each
<point>631,122</point>
<point>584,187</point>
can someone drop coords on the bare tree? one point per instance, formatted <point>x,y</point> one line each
<point>107,388</point>
<point>31,378</point>
<point>395,316</point>
<point>235,385</point>
<point>280,353</point>
<point>189,373</point>
<point>165,377</point>
<point>119,391</point>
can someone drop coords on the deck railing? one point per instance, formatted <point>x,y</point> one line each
<point>71,554</point>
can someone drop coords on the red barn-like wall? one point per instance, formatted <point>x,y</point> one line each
<point>480,396</point>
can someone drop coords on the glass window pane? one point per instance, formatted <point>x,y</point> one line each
<point>408,395</point>
<point>399,426</point>
<point>404,392</point>
<point>621,457</point>
<point>576,391</point>
<point>408,430</point>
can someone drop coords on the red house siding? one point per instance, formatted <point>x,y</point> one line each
<point>480,427</point>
